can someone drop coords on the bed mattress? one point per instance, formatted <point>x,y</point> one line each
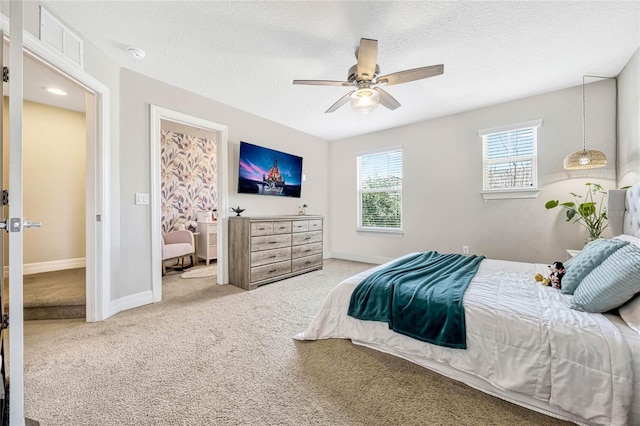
<point>524,344</point>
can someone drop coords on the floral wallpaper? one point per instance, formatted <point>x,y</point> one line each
<point>188,177</point>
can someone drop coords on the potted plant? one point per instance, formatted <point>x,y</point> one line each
<point>587,211</point>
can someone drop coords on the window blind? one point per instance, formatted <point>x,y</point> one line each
<point>380,189</point>
<point>510,159</point>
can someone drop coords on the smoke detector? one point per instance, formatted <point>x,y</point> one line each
<point>136,53</point>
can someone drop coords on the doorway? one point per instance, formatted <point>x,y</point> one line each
<point>157,115</point>
<point>92,247</point>
<point>54,193</point>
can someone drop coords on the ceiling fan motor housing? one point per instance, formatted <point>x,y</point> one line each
<point>353,75</point>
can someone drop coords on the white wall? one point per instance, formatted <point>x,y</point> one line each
<point>137,92</point>
<point>629,123</point>
<point>442,205</point>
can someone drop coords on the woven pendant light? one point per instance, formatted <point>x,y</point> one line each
<point>587,158</point>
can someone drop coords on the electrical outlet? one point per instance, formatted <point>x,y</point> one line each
<point>465,249</point>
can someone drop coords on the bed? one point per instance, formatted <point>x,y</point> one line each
<point>524,342</point>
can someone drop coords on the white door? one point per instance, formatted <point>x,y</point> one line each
<point>14,224</point>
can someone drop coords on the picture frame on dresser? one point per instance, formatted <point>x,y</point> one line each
<point>266,249</point>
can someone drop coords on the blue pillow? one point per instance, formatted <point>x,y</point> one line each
<point>611,284</point>
<point>592,255</point>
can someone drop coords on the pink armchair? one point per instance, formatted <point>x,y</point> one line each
<point>177,245</point>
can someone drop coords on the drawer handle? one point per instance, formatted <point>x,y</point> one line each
<point>307,238</point>
<point>307,262</point>
<point>271,257</point>
<point>307,250</point>
<point>282,227</point>
<point>260,229</point>
<point>272,271</point>
<point>273,242</point>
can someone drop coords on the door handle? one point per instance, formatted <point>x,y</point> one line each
<point>29,224</point>
<point>14,224</point>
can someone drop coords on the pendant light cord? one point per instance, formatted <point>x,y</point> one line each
<point>584,131</point>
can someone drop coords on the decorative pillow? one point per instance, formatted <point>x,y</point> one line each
<point>630,313</point>
<point>629,238</point>
<point>611,284</point>
<point>592,255</point>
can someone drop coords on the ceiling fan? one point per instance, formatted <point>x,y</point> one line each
<point>366,81</point>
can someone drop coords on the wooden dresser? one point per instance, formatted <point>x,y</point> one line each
<point>271,248</point>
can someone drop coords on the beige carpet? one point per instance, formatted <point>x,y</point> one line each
<point>200,272</point>
<point>218,355</point>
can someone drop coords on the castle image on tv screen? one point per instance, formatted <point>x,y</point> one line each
<point>266,171</point>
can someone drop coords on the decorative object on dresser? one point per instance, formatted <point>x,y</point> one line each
<point>237,210</point>
<point>272,248</point>
<point>207,241</point>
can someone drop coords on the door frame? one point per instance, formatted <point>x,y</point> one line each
<point>156,114</point>
<point>97,210</point>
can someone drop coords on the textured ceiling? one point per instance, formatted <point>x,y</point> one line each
<point>246,54</point>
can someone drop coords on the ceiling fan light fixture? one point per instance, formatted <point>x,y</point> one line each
<point>365,100</point>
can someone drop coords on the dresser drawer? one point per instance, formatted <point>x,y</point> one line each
<point>306,238</point>
<point>270,256</point>
<point>306,262</point>
<point>260,273</point>
<point>300,226</point>
<point>306,250</point>
<point>315,225</point>
<point>270,242</point>
<point>282,227</point>
<point>261,228</point>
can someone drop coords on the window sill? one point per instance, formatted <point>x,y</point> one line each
<point>509,194</point>
<point>387,231</point>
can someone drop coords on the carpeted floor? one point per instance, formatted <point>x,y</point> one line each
<point>218,355</point>
<point>53,295</point>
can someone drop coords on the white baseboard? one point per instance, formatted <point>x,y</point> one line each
<point>378,260</point>
<point>129,302</point>
<point>54,265</point>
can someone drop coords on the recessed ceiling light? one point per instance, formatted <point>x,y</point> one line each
<point>56,91</point>
<point>136,53</point>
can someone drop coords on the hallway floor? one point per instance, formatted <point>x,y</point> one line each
<point>53,295</point>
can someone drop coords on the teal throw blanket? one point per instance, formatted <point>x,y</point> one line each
<point>419,296</point>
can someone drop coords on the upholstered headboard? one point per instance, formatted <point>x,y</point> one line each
<point>623,211</point>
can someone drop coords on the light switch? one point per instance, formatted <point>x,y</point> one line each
<point>142,198</point>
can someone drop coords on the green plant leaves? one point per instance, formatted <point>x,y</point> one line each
<point>590,214</point>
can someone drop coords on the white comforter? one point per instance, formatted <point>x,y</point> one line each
<point>522,338</point>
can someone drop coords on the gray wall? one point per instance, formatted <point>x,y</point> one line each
<point>137,92</point>
<point>629,122</point>
<point>442,204</point>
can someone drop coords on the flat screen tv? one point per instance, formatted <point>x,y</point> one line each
<point>266,171</point>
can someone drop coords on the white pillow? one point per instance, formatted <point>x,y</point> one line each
<point>630,313</point>
<point>630,238</point>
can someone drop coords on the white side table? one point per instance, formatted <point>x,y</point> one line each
<point>572,253</point>
<point>208,241</point>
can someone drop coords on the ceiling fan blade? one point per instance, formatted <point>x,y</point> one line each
<point>387,100</point>
<point>411,75</point>
<point>367,58</point>
<point>343,100</point>
<point>322,82</point>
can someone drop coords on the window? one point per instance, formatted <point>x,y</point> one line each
<point>510,157</point>
<point>380,190</point>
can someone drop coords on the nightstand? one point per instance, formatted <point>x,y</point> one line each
<point>572,253</point>
<point>208,241</point>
